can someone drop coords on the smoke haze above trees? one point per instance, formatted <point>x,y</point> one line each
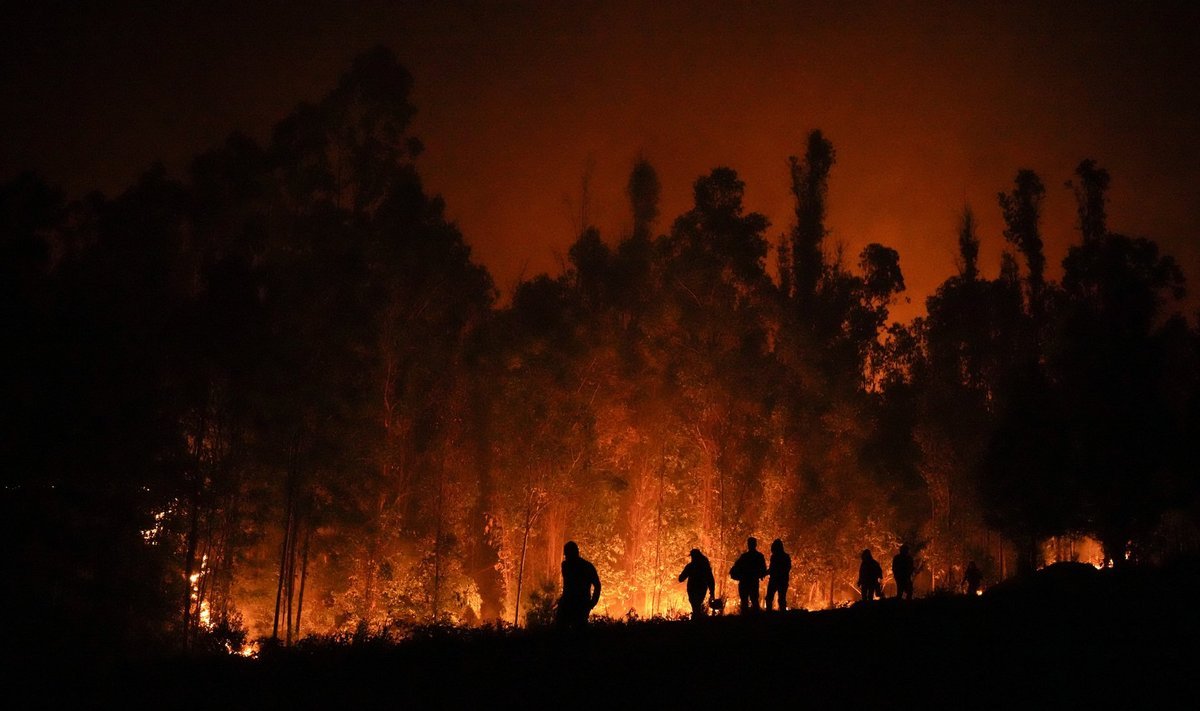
<point>930,106</point>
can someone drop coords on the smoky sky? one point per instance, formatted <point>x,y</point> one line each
<point>930,106</point>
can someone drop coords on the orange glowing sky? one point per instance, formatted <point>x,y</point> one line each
<point>929,105</point>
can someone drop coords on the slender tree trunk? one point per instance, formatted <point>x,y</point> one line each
<point>520,579</point>
<point>951,537</point>
<point>371,564</point>
<point>227,551</point>
<point>1026,562</point>
<point>290,588</point>
<point>437,543</point>
<point>303,578</point>
<point>193,527</point>
<point>487,536</point>
<point>524,548</point>
<point>706,496</point>
<point>721,524</point>
<point>204,583</point>
<point>283,552</point>
<point>658,541</point>
<point>188,565</point>
<point>284,548</point>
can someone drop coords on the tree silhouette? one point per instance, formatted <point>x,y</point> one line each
<point>810,186</point>
<point>1113,362</point>
<point>1022,209</point>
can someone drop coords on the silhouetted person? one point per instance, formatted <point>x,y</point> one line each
<point>870,577</point>
<point>780,571</point>
<point>700,581</point>
<point>581,588</point>
<point>750,568</point>
<point>902,571</point>
<point>973,577</point>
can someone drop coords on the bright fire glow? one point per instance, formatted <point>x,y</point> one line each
<point>151,535</point>
<point>1074,549</point>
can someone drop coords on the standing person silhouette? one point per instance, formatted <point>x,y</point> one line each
<point>581,588</point>
<point>750,568</point>
<point>973,577</point>
<point>780,571</point>
<point>700,581</point>
<point>902,571</point>
<point>870,577</point>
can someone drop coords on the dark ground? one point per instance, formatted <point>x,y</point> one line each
<point>1068,637</point>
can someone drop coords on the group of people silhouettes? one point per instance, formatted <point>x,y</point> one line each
<point>870,575</point>
<point>749,569</point>
<point>581,582</point>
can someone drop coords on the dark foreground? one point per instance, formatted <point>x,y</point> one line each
<point>1070,637</point>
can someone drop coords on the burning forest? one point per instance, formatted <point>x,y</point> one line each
<point>277,396</point>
